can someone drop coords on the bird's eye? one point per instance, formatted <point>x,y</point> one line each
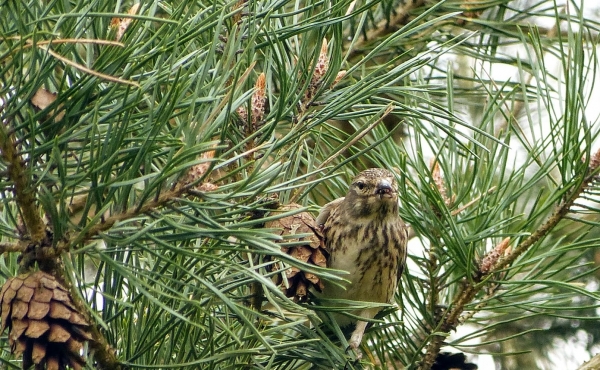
<point>360,185</point>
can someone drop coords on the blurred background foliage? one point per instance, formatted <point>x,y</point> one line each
<point>151,140</point>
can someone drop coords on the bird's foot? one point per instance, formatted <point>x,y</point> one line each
<point>354,347</point>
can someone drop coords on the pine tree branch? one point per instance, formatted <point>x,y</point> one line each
<point>132,212</point>
<point>470,289</point>
<point>103,352</point>
<point>31,43</point>
<point>187,184</point>
<point>48,257</point>
<point>45,256</point>
<point>12,247</point>
<point>22,188</point>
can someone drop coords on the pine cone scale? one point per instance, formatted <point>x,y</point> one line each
<point>58,334</point>
<point>38,353</point>
<point>38,310</point>
<point>19,310</point>
<point>9,295</point>
<point>59,311</point>
<point>24,294</point>
<point>35,328</point>
<point>18,327</point>
<point>43,295</point>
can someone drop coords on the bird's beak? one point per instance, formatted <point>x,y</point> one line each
<point>384,189</point>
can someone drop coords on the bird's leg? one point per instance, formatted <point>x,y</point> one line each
<point>359,330</point>
<point>357,335</point>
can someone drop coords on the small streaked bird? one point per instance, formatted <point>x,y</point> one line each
<point>365,236</point>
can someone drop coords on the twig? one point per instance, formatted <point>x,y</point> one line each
<point>77,203</point>
<point>12,247</point>
<point>411,230</point>
<point>90,71</point>
<point>30,42</point>
<point>132,212</point>
<point>110,221</point>
<point>469,204</point>
<point>369,128</point>
<point>24,191</point>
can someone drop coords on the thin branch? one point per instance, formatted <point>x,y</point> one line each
<point>30,43</point>
<point>22,188</point>
<point>131,212</point>
<point>411,230</point>
<point>470,203</point>
<point>369,128</point>
<point>90,71</point>
<point>6,247</point>
<point>109,222</point>
<point>77,203</point>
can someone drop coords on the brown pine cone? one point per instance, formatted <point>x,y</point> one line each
<point>44,325</point>
<point>307,248</point>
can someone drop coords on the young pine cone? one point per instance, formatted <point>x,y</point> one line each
<point>365,236</point>
<point>44,325</point>
<point>306,248</point>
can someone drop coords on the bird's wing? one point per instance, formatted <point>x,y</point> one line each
<point>402,262</point>
<point>326,211</point>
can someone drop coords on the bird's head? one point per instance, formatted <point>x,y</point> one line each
<point>373,192</point>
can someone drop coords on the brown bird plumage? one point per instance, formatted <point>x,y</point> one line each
<point>365,236</point>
